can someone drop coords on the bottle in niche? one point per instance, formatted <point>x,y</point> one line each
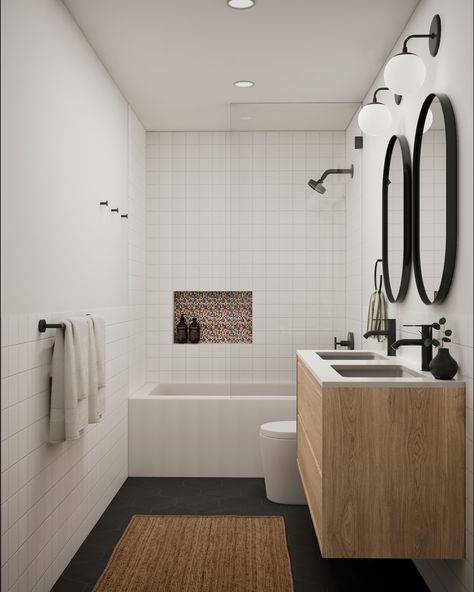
<point>181,331</point>
<point>194,331</point>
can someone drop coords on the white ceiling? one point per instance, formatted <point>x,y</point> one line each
<point>175,60</point>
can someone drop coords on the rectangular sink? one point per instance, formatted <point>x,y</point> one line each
<point>349,355</point>
<point>366,371</point>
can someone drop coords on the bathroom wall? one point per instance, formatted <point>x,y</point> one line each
<point>232,211</point>
<point>65,129</point>
<point>136,250</point>
<point>52,495</point>
<point>449,72</point>
<point>354,319</point>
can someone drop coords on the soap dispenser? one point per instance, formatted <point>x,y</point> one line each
<point>181,331</point>
<point>194,331</point>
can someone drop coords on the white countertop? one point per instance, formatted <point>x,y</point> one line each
<point>328,377</point>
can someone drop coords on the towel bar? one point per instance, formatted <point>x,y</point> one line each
<point>43,325</point>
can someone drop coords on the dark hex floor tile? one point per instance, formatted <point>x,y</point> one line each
<point>162,495</point>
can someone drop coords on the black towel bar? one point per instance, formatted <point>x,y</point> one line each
<point>43,325</point>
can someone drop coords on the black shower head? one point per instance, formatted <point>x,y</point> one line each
<point>317,185</point>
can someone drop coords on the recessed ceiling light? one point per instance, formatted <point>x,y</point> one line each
<point>240,3</point>
<point>244,83</point>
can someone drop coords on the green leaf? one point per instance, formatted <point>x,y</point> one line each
<point>435,326</point>
<point>446,340</point>
<point>448,332</point>
<point>442,321</point>
<point>428,342</point>
<point>436,343</point>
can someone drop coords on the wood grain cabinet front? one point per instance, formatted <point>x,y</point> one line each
<point>383,468</point>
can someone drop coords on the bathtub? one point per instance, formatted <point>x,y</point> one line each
<point>198,430</point>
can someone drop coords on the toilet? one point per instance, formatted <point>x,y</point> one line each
<point>278,448</point>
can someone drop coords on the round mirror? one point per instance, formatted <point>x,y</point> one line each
<point>435,199</point>
<point>396,219</point>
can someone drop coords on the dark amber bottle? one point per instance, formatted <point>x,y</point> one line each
<point>194,331</point>
<point>181,331</point>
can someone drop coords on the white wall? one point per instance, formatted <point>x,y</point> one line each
<point>65,130</point>
<point>136,251</point>
<point>52,495</point>
<point>64,133</point>
<point>232,211</point>
<point>354,319</point>
<point>449,72</point>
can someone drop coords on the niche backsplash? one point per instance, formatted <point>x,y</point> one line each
<point>224,317</point>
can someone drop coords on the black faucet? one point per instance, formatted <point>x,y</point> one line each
<point>426,352</point>
<point>390,333</point>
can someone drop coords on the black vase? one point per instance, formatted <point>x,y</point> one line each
<point>443,366</point>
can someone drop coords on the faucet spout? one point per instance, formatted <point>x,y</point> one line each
<point>373,334</point>
<point>400,342</point>
<point>390,333</point>
<point>426,352</point>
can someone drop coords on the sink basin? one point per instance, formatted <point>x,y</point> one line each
<point>349,355</point>
<point>366,371</point>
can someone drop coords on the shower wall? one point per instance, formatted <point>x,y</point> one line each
<point>232,211</point>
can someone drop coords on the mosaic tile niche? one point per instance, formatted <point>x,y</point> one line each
<point>224,317</point>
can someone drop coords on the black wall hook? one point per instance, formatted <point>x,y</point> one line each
<point>114,210</point>
<point>124,215</point>
<point>378,287</point>
<point>104,203</point>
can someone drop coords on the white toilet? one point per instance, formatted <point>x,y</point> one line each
<point>282,479</point>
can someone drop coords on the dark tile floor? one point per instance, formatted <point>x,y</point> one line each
<point>311,573</point>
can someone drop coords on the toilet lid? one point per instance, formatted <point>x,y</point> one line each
<point>279,429</point>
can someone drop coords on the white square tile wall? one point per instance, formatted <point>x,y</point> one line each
<point>136,250</point>
<point>52,495</point>
<point>354,318</point>
<point>232,211</point>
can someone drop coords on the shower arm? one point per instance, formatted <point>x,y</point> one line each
<point>337,172</point>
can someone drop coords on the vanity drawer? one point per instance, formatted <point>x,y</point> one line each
<point>312,480</point>
<point>310,408</point>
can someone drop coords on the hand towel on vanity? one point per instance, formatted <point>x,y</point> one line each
<point>97,368</point>
<point>377,314</point>
<point>70,381</point>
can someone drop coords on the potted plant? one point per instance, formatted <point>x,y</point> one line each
<point>443,366</point>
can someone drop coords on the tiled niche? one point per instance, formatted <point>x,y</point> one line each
<point>224,317</point>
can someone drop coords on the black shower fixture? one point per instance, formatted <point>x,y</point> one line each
<point>318,185</point>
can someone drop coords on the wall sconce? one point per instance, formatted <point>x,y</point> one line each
<point>375,118</point>
<point>405,72</point>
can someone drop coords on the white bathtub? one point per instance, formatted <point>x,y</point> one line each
<point>183,430</point>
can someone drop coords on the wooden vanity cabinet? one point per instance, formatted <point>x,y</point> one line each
<point>383,468</point>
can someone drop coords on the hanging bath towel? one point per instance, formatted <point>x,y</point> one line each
<point>377,314</point>
<point>69,381</point>
<point>96,368</point>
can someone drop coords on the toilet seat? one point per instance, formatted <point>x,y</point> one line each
<point>282,430</point>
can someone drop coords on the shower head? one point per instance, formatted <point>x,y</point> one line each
<point>318,185</point>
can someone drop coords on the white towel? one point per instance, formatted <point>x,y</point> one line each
<point>70,381</point>
<point>97,368</point>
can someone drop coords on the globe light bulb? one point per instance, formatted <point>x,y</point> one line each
<point>405,73</point>
<point>374,119</point>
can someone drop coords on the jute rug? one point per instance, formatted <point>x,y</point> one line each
<point>200,553</point>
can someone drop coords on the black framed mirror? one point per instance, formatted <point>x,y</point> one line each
<point>396,219</point>
<point>435,198</point>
